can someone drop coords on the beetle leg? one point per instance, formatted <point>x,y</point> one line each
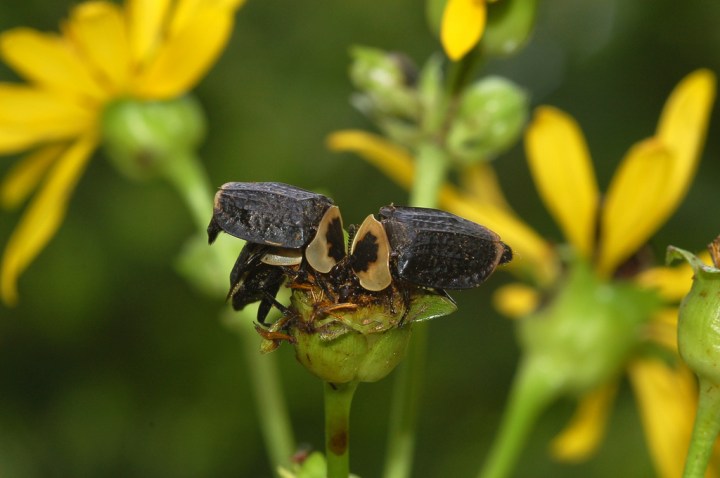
<point>328,310</point>
<point>405,294</point>
<point>273,336</point>
<point>270,301</point>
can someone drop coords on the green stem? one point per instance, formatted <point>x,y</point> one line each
<point>338,398</point>
<point>705,431</point>
<point>462,72</point>
<point>430,173</point>
<point>186,174</point>
<point>532,391</point>
<point>430,170</point>
<point>405,406</point>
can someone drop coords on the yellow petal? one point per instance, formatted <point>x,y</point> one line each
<point>587,427</point>
<point>634,208</point>
<point>184,58</point>
<point>480,183</point>
<point>662,329</point>
<point>682,128</point>
<point>462,26</point>
<point>532,255</point>
<point>186,10</point>
<point>392,160</point>
<point>43,216</point>
<point>563,173</point>
<point>672,283</point>
<point>515,300</point>
<point>24,177</point>
<point>49,60</point>
<point>145,22</point>
<point>99,31</point>
<point>666,397</point>
<point>31,115</point>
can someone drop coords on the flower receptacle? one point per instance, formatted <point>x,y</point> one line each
<point>585,335</point>
<point>141,137</point>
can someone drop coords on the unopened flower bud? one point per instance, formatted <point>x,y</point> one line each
<point>385,81</point>
<point>509,25</point>
<point>699,319</point>
<point>362,342</point>
<point>142,136</point>
<point>489,120</point>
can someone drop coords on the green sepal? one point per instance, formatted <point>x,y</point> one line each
<point>698,266</point>
<point>429,305</point>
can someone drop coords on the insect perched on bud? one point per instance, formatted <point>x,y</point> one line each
<point>360,290</point>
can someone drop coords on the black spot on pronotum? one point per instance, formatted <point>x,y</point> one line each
<point>370,255</point>
<point>336,239</point>
<point>327,248</point>
<point>364,253</point>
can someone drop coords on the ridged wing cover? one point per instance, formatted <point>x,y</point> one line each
<point>267,213</point>
<point>438,249</point>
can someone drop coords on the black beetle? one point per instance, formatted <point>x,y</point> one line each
<point>252,279</point>
<point>273,214</point>
<point>437,249</point>
<point>282,224</point>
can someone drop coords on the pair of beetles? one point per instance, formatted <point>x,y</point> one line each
<point>291,232</point>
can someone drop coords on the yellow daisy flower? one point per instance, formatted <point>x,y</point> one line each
<point>603,235</point>
<point>146,50</point>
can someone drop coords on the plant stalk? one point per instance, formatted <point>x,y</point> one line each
<point>530,395</point>
<point>430,173</point>
<point>705,431</point>
<point>338,398</point>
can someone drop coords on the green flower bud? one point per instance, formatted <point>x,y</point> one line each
<point>699,319</point>
<point>489,120</point>
<point>586,333</point>
<point>360,342</point>
<point>509,25</point>
<point>699,346</point>
<point>142,136</point>
<point>385,81</point>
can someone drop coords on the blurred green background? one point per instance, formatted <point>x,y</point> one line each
<point>112,365</point>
